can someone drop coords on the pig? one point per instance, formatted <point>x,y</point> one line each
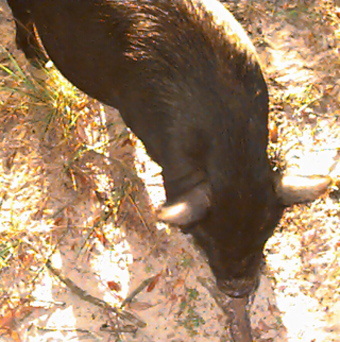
<point>187,81</point>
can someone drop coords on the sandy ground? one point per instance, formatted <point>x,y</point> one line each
<point>86,200</point>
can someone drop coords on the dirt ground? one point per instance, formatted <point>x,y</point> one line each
<point>77,187</point>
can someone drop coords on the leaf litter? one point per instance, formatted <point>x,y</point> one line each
<point>76,187</point>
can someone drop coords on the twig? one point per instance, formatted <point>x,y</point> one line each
<point>221,299</point>
<point>132,329</point>
<point>235,309</point>
<point>139,289</point>
<point>78,330</point>
<point>52,252</point>
<point>138,212</point>
<point>94,300</point>
<point>306,105</point>
<point>103,218</point>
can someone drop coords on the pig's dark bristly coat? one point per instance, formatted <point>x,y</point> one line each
<point>186,80</point>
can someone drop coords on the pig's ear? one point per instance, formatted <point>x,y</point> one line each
<point>293,189</point>
<point>188,208</point>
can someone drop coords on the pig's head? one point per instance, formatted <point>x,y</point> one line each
<point>232,228</point>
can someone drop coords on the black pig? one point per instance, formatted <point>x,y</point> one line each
<point>186,79</point>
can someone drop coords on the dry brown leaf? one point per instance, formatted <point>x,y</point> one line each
<point>153,283</point>
<point>179,282</point>
<point>10,160</point>
<point>173,297</point>
<point>60,221</point>
<point>114,286</point>
<point>9,319</point>
<point>128,142</point>
<point>273,309</point>
<point>139,306</point>
<point>26,258</point>
<point>273,132</point>
<point>263,326</point>
<point>11,333</point>
<point>101,237</point>
<point>81,178</point>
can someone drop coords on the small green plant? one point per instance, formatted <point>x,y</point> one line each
<point>192,319</point>
<point>149,268</point>
<point>186,260</point>
<point>6,252</point>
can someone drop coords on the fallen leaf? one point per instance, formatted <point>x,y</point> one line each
<point>11,333</point>
<point>101,237</point>
<point>263,326</point>
<point>273,133</point>
<point>10,160</point>
<point>114,286</point>
<point>179,282</point>
<point>153,283</point>
<point>139,306</point>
